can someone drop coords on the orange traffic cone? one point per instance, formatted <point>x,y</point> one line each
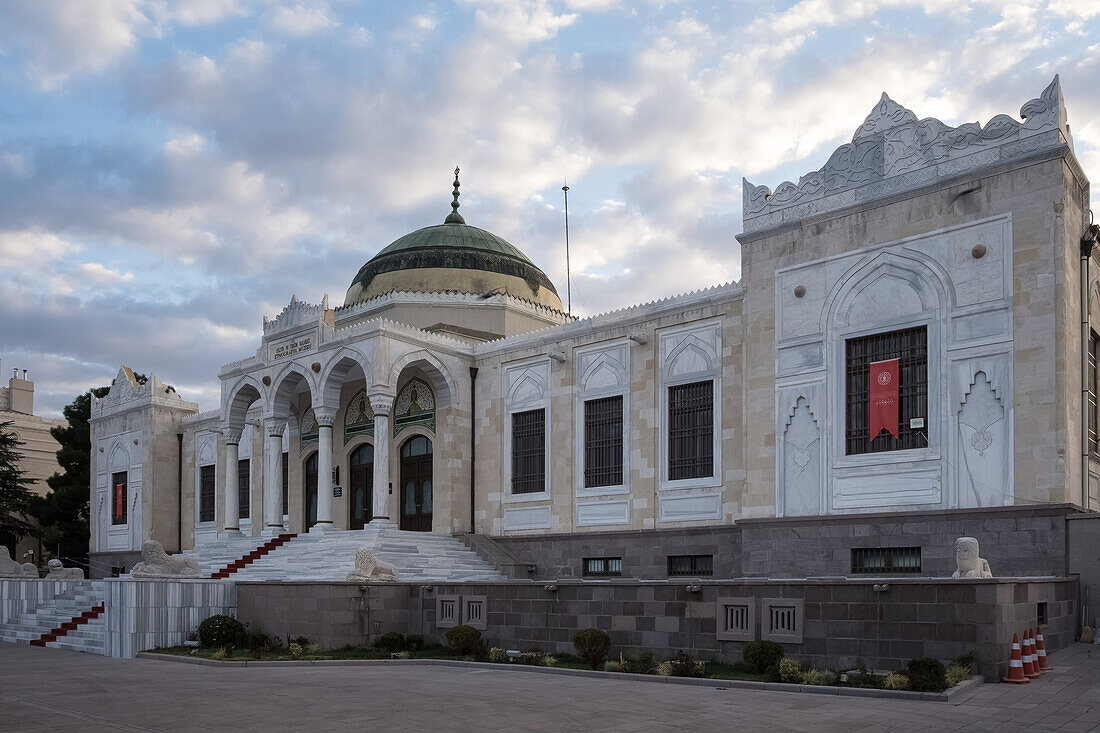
<point>1041,651</point>
<point>1015,665</point>
<point>1030,668</point>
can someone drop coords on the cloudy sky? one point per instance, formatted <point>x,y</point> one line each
<point>173,170</point>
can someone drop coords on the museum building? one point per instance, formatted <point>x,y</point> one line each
<point>909,357</point>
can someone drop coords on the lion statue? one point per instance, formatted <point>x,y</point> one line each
<point>11,569</point>
<point>57,571</point>
<point>156,563</point>
<point>969,565</point>
<point>369,568</point>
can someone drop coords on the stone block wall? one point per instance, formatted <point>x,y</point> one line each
<point>839,623</point>
<point>23,596</point>
<point>329,614</point>
<point>1083,558</point>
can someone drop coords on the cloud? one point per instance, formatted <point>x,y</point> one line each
<point>101,275</point>
<point>299,19</point>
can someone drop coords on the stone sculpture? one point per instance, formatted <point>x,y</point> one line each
<point>11,569</point>
<point>369,568</point>
<point>156,563</point>
<point>60,572</point>
<point>30,570</point>
<point>969,565</point>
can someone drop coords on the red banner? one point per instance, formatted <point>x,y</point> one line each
<point>884,397</point>
<point>120,500</point>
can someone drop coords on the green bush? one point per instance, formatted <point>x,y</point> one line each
<point>258,641</point>
<point>957,673</point>
<point>813,676</point>
<point>464,640</point>
<point>390,642</point>
<point>644,663</point>
<point>685,665</point>
<point>414,642</point>
<point>498,655</point>
<point>762,654</point>
<point>221,631</point>
<point>895,681</point>
<point>592,646</point>
<point>926,675</point>
<point>790,671</point>
<point>299,640</point>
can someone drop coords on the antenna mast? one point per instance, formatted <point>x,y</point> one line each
<point>568,288</point>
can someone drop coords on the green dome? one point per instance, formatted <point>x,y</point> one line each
<point>452,256</point>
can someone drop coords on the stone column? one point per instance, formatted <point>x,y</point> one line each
<point>325,419</point>
<point>232,489</point>
<point>382,405</point>
<point>273,475</point>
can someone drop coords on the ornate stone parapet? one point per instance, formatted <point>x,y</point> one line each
<point>893,151</point>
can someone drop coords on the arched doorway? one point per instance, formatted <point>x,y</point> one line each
<point>309,475</point>
<point>360,484</point>
<point>416,484</point>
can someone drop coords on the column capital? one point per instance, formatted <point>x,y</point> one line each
<point>274,428</point>
<point>232,435</point>
<point>381,403</point>
<point>326,416</point>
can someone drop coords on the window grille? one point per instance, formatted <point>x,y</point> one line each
<point>910,348</point>
<point>529,451</point>
<point>1094,439</point>
<point>473,612</point>
<point>886,560</point>
<point>603,442</point>
<point>603,566</point>
<point>691,565</point>
<point>244,473</point>
<point>691,430</point>
<point>206,494</point>
<point>782,619</point>
<point>447,612</point>
<point>120,491</point>
<point>736,618</point>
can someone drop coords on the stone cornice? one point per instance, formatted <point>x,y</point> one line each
<point>612,319</point>
<point>893,151</point>
<point>446,297</point>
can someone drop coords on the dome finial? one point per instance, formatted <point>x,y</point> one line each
<point>454,217</point>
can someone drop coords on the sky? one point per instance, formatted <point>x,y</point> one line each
<point>171,171</point>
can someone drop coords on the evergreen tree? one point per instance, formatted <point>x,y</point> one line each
<point>62,513</point>
<point>15,488</point>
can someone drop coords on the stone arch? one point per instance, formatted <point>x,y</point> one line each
<point>119,457</point>
<point>888,287</point>
<point>242,395</point>
<point>286,386</point>
<point>440,377</point>
<point>336,372</point>
<point>690,357</point>
<point>604,372</point>
<point>528,388</point>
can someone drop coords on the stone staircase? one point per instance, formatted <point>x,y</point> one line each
<point>72,620</point>
<point>418,556</point>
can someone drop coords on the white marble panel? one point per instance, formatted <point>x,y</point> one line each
<point>528,517</point>
<point>886,488</point>
<point>603,512</point>
<point>690,507</point>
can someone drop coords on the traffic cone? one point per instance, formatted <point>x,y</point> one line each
<point>1041,651</point>
<point>1015,665</point>
<point>1030,670</point>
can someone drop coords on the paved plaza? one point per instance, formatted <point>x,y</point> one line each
<point>62,691</point>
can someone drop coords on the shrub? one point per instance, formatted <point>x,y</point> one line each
<point>592,646</point>
<point>390,642</point>
<point>957,673</point>
<point>685,665</point>
<point>926,675</point>
<point>220,654</point>
<point>790,671</point>
<point>296,649</point>
<point>826,677</point>
<point>664,669</point>
<point>260,642</point>
<point>403,654</point>
<point>300,641</point>
<point>414,642</point>
<point>644,663</point>
<point>549,660</point>
<point>762,654</point>
<point>813,676</point>
<point>220,630</point>
<point>772,673</point>
<point>895,681</point>
<point>612,667</point>
<point>464,640</point>
<point>966,660</point>
<point>498,655</point>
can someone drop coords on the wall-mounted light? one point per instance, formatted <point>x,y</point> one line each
<point>551,588</point>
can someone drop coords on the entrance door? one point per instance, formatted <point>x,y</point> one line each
<point>416,484</point>
<point>310,477</point>
<point>361,481</point>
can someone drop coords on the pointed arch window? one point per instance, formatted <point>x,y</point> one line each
<point>309,431</point>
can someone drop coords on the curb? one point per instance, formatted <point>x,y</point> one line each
<point>945,696</point>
